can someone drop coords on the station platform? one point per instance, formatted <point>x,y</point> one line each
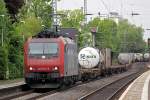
<point>139,89</point>
<point>11,83</point>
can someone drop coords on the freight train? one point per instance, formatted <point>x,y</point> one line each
<point>51,60</point>
<point>126,58</point>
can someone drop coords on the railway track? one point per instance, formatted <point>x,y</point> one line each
<point>36,94</point>
<point>112,91</point>
<point>11,91</point>
<point>16,95</point>
<point>28,95</point>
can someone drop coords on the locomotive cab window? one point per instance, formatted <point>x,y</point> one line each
<point>43,49</point>
<point>50,48</point>
<point>36,48</point>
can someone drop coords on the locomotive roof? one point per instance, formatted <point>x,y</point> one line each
<point>44,40</point>
<point>64,39</point>
<point>65,32</point>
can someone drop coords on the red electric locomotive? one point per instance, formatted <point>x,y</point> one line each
<point>50,62</point>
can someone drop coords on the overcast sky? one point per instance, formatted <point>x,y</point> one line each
<point>104,6</point>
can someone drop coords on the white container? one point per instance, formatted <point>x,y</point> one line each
<point>125,58</point>
<point>88,57</point>
<point>146,56</point>
<point>139,57</point>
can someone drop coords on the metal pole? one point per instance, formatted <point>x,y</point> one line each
<point>93,40</point>
<point>54,16</point>
<point>85,12</point>
<point>125,42</point>
<point>2,30</point>
<point>85,21</point>
<point>121,8</point>
<point>23,38</point>
<point>2,37</point>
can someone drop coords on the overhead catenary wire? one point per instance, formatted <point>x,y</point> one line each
<point>106,7</point>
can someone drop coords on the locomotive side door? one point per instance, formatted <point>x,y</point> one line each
<point>66,60</point>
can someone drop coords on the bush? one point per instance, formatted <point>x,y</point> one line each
<point>15,59</point>
<point>3,63</point>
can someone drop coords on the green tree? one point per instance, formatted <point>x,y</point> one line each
<point>5,26</point>
<point>130,37</point>
<point>121,37</point>
<point>106,33</point>
<point>39,9</point>
<point>72,18</point>
<point>28,27</point>
<point>33,17</point>
<point>15,56</point>
<point>5,23</point>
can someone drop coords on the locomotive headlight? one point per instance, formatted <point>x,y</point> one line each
<point>31,68</point>
<point>55,68</point>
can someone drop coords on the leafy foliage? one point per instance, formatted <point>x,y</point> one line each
<point>106,32</point>
<point>39,9</point>
<point>3,63</point>
<point>15,51</point>
<point>33,17</point>
<point>72,18</point>
<point>121,37</point>
<point>4,35</point>
<point>28,27</point>
<point>130,37</point>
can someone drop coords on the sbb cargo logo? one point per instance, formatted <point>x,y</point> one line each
<point>83,56</point>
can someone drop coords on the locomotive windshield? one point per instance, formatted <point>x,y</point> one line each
<point>43,49</point>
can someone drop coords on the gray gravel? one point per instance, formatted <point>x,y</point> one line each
<point>27,96</point>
